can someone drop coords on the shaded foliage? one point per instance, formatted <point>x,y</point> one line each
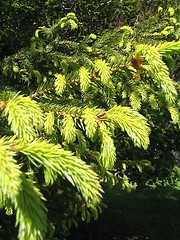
<point>19,19</point>
<point>143,215</point>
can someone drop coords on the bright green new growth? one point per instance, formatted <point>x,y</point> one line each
<point>104,71</point>
<point>49,123</point>
<point>68,129</point>
<point>24,117</point>
<point>26,198</point>
<point>158,69</point>
<point>31,213</point>
<point>132,122</point>
<point>175,115</point>
<point>168,48</point>
<point>84,75</point>
<point>153,102</point>
<point>66,165</point>
<point>108,150</point>
<point>60,83</point>
<point>135,100</point>
<point>90,120</point>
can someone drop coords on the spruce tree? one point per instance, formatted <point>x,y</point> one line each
<point>65,106</point>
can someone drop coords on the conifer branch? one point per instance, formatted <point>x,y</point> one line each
<point>104,71</point>
<point>24,117</point>
<point>84,80</point>
<point>32,223</point>
<point>49,123</point>
<point>63,113</point>
<point>132,122</point>
<point>90,120</point>
<point>42,92</point>
<point>51,89</point>
<point>60,83</point>
<point>68,166</point>
<point>158,70</point>
<point>108,151</point>
<point>79,108</point>
<point>68,129</point>
<point>27,200</point>
<point>84,75</point>
<point>175,115</point>
<point>167,48</point>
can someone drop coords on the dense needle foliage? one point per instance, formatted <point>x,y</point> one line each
<point>80,111</point>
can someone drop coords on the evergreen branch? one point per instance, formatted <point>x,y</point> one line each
<point>167,48</point>
<point>135,100</point>
<point>9,172</point>
<point>68,129</point>
<point>51,89</point>
<point>132,122</point>
<point>153,102</point>
<point>70,44</point>
<point>31,212</point>
<point>142,90</point>
<point>158,70</point>
<point>175,116</point>
<point>6,95</point>
<point>49,123</point>
<point>108,151</point>
<point>68,166</point>
<point>50,176</point>
<point>73,81</point>
<point>84,75</point>
<point>104,71</point>
<point>3,200</point>
<point>82,144</point>
<point>30,216</point>
<point>24,117</point>
<point>63,113</point>
<point>60,83</point>
<point>84,78</point>
<point>90,120</point>
<point>42,92</point>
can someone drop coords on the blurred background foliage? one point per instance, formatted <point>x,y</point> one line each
<point>20,18</point>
